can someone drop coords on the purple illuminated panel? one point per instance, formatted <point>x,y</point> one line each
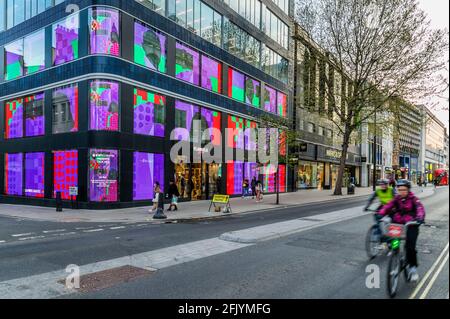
<point>14,119</point>
<point>14,174</point>
<point>251,170</point>
<point>104,31</point>
<point>147,169</point>
<point>149,48</point>
<point>149,113</point>
<point>65,109</point>
<point>185,113</point>
<point>213,120</point>
<point>103,175</point>
<point>187,67</point>
<point>34,174</point>
<point>270,100</point>
<point>34,115</point>
<point>104,106</point>
<point>211,74</point>
<point>65,40</point>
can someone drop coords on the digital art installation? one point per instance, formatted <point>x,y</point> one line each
<point>212,119</point>
<point>65,109</point>
<point>104,31</point>
<point>14,119</point>
<point>148,168</point>
<point>187,67</point>
<point>185,114</point>
<point>236,85</point>
<point>104,105</point>
<point>149,113</point>
<point>236,138</point>
<point>270,100</point>
<point>252,92</point>
<point>65,40</point>
<point>34,174</point>
<point>14,60</point>
<point>211,74</point>
<point>65,172</point>
<point>103,175</point>
<point>282,104</point>
<point>34,115</point>
<point>14,174</point>
<point>235,177</point>
<point>251,135</point>
<point>149,48</point>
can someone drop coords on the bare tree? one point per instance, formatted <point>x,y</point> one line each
<point>382,49</point>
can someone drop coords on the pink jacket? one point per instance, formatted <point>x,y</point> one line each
<point>406,210</point>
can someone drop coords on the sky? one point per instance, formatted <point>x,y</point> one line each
<point>438,12</point>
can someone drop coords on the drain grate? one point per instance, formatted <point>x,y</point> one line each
<point>108,278</point>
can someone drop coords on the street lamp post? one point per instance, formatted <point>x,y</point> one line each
<point>374,152</point>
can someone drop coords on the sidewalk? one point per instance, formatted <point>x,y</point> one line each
<point>187,211</point>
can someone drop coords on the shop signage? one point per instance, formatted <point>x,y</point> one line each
<point>304,147</point>
<point>334,154</point>
<point>73,191</point>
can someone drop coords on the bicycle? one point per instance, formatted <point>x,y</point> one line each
<point>375,241</point>
<point>397,262</point>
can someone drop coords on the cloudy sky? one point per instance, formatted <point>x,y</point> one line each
<point>438,10</point>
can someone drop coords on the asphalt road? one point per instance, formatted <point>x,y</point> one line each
<point>325,262</point>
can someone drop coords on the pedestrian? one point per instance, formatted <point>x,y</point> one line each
<point>253,186</point>
<point>158,202</point>
<point>245,187</point>
<point>259,190</point>
<point>173,194</point>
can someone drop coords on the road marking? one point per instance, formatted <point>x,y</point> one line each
<point>436,274</point>
<point>119,227</point>
<point>83,228</point>
<point>2,241</point>
<point>109,225</point>
<point>65,234</point>
<point>428,274</point>
<point>21,235</point>
<point>93,230</point>
<point>31,238</point>
<point>53,231</point>
<point>46,285</point>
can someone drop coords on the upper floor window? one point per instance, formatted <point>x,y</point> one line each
<point>65,109</point>
<point>150,47</point>
<point>104,106</point>
<point>187,67</point>
<point>276,29</point>
<point>65,39</point>
<point>158,6</point>
<point>104,31</point>
<point>248,9</point>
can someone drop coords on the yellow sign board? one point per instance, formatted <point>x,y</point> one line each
<point>221,199</point>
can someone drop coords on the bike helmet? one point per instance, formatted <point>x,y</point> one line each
<point>382,182</point>
<point>404,182</point>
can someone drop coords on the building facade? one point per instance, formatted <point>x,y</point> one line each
<point>433,145</point>
<point>94,95</point>
<point>317,160</point>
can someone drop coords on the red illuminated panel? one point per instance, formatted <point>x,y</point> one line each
<point>65,172</point>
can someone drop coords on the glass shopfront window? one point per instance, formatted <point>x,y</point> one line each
<point>65,39</point>
<point>308,175</point>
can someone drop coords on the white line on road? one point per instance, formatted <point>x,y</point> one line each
<point>53,231</point>
<point>21,235</point>
<point>119,227</point>
<point>65,234</point>
<point>431,283</point>
<point>31,238</point>
<point>428,274</point>
<point>83,228</point>
<point>93,230</point>
<point>2,241</point>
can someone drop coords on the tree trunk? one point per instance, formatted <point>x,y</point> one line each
<point>340,178</point>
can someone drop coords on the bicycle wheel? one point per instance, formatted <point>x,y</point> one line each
<point>393,273</point>
<point>373,241</point>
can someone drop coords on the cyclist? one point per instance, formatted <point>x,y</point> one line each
<point>407,208</point>
<point>384,193</point>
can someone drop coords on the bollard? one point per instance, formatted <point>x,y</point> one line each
<point>59,207</point>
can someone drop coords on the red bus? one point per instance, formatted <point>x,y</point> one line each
<point>441,176</point>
